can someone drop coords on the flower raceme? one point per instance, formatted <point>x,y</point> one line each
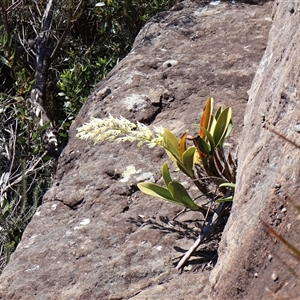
<point>120,130</point>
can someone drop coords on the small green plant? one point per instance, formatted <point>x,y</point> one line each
<point>204,157</point>
<point>204,161</point>
<point>205,153</point>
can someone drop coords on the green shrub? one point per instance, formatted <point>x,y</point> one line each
<point>113,26</point>
<point>25,172</point>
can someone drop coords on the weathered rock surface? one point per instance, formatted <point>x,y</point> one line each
<point>96,237</point>
<point>268,172</point>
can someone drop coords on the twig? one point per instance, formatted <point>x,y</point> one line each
<point>66,30</point>
<point>207,231</point>
<point>179,213</point>
<point>13,6</point>
<point>32,168</point>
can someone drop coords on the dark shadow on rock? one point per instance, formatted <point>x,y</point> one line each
<point>206,255</point>
<point>166,226</point>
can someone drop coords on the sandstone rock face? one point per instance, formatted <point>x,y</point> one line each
<point>96,236</point>
<point>251,264</point>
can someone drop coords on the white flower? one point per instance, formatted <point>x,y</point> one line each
<point>120,130</point>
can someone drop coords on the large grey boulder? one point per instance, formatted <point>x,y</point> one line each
<point>96,236</point>
<point>252,265</point>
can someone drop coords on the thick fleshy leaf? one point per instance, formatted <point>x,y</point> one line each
<point>196,158</point>
<point>186,165</point>
<point>180,194</point>
<point>218,112</point>
<point>202,146</point>
<point>229,128</point>
<point>212,125</point>
<point>172,157</point>
<point>226,199</point>
<point>210,140</point>
<point>170,143</point>
<point>155,190</point>
<point>188,161</point>
<point>166,174</point>
<point>182,168</point>
<point>182,145</point>
<point>206,114</point>
<point>228,184</point>
<point>222,125</point>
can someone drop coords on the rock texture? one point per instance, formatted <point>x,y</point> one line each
<point>252,265</point>
<point>96,236</point>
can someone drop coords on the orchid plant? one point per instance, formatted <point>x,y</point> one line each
<point>204,155</point>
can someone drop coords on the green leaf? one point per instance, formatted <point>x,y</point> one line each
<point>21,140</point>
<point>4,203</point>
<point>155,190</point>
<point>206,115</point>
<point>212,125</point>
<point>180,194</point>
<point>218,112</point>
<point>174,159</point>
<point>201,145</point>
<point>188,161</point>
<point>228,185</point>
<point>182,168</point>
<point>210,139</point>
<point>229,128</point>
<point>182,145</point>
<point>170,143</point>
<point>226,199</point>
<point>62,134</point>
<point>222,125</point>
<point>4,61</point>
<point>45,126</point>
<point>166,174</point>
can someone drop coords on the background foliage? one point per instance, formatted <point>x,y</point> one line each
<point>88,38</point>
